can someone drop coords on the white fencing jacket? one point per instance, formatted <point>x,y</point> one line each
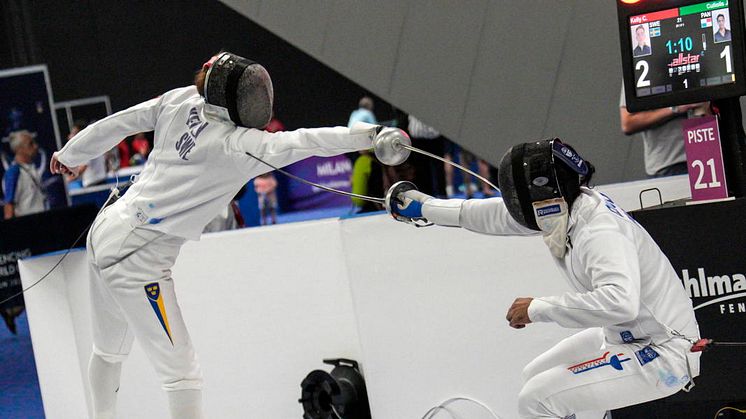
<point>198,164</point>
<point>622,280</point>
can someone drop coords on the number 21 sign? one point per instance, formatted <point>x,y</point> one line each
<point>704,158</point>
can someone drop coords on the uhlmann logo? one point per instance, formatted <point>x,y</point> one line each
<point>720,288</point>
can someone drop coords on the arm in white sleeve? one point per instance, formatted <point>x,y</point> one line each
<point>610,259</point>
<point>285,147</point>
<point>488,216</point>
<point>101,136</point>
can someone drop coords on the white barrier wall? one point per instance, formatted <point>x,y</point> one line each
<point>264,306</point>
<point>421,309</point>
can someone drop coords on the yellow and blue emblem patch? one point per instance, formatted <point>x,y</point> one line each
<point>153,292</point>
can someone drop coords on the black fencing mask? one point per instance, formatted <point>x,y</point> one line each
<point>540,171</point>
<point>239,90</point>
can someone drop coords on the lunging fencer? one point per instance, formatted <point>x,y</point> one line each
<point>639,322</point>
<point>199,161</point>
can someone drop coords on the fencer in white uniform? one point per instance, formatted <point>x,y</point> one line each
<point>197,165</point>
<point>639,323</point>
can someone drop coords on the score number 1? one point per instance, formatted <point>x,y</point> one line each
<point>726,55</point>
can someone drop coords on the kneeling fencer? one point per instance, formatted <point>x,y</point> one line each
<point>640,322</point>
<point>200,159</point>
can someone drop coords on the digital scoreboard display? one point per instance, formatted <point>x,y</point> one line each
<point>677,52</point>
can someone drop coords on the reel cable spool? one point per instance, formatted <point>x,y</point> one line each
<point>339,394</point>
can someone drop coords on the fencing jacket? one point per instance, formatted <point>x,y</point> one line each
<point>622,281</point>
<point>198,164</point>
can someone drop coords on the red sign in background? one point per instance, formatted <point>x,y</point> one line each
<point>704,158</point>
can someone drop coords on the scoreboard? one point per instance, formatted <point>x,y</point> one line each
<point>678,52</point>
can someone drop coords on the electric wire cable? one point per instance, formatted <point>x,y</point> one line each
<point>322,187</point>
<point>114,192</point>
<point>23,291</point>
<point>728,408</point>
<point>444,404</point>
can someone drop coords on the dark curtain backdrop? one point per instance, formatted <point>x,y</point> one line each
<point>135,50</point>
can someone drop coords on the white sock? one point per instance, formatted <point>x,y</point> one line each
<point>103,378</point>
<point>185,404</point>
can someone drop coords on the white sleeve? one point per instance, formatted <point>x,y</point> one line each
<point>101,136</point>
<point>488,216</point>
<point>610,259</point>
<point>286,147</point>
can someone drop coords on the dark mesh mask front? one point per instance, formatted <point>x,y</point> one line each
<point>528,173</point>
<point>254,97</point>
<point>250,104</point>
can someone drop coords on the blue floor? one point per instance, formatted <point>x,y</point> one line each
<point>20,397</point>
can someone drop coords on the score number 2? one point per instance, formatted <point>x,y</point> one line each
<point>697,164</point>
<point>645,67</point>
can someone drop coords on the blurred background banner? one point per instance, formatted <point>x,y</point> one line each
<point>36,234</point>
<point>26,104</point>
<point>334,172</point>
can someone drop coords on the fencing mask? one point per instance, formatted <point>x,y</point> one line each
<point>539,181</point>
<point>239,90</point>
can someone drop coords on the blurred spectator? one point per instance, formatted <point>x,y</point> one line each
<point>265,187</point>
<point>22,182</point>
<point>367,172</point>
<point>367,179</point>
<point>228,219</point>
<point>466,159</point>
<point>141,147</point>
<point>662,135</point>
<point>94,172</point>
<point>364,112</point>
<point>429,173</point>
<point>119,157</point>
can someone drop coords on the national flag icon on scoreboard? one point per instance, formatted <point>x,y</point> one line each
<point>706,22</point>
<point>656,31</point>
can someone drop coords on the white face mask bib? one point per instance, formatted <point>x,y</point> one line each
<point>552,218</point>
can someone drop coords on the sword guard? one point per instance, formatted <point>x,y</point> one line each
<point>388,146</point>
<point>393,198</point>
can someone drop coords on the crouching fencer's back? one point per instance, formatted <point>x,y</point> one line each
<point>599,226</point>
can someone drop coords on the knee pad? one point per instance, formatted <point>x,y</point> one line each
<point>192,383</point>
<point>529,371</point>
<point>531,402</point>
<point>526,404</point>
<point>108,357</point>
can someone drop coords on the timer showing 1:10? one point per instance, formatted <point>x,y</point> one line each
<point>683,44</point>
